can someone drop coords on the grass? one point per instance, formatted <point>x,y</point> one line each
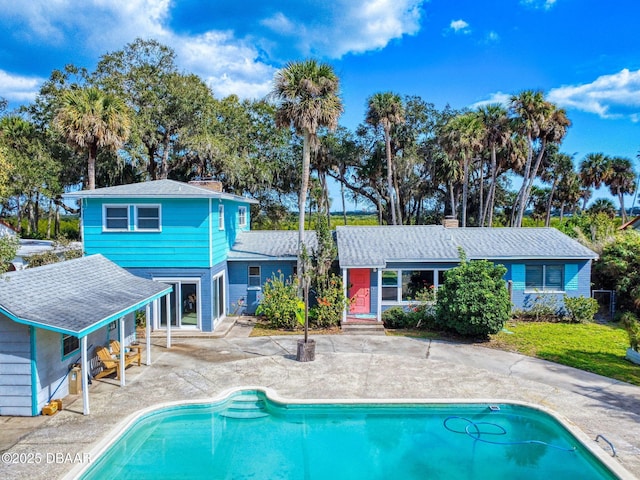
<point>593,347</point>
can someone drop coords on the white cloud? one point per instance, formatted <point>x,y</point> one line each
<point>459,26</point>
<point>492,37</point>
<point>350,26</point>
<point>609,96</point>
<point>539,4</point>
<point>19,89</point>
<point>498,97</point>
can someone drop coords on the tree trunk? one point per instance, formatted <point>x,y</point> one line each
<point>465,190</point>
<point>302,199</point>
<point>622,211</point>
<point>91,166</point>
<point>387,142</point>
<point>151,167</point>
<point>344,208</point>
<point>481,208</point>
<point>49,219</point>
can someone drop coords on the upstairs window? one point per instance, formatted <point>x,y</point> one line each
<point>242,216</point>
<point>220,217</point>
<point>545,277</point>
<point>148,217</point>
<point>116,217</point>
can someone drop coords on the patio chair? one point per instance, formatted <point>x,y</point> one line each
<point>132,353</point>
<point>109,363</point>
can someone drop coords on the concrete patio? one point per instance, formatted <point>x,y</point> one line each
<point>346,367</point>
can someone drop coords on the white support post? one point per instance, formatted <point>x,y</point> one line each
<point>84,371</point>
<point>147,332</point>
<point>345,289</point>
<point>122,355</point>
<point>379,296</point>
<point>168,304</point>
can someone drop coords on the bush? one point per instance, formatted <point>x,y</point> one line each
<point>396,317</point>
<point>632,326</point>
<point>473,301</point>
<point>331,304</point>
<point>280,304</point>
<point>540,307</point>
<point>581,309</point>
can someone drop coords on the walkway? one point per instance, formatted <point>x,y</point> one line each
<point>346,366</point>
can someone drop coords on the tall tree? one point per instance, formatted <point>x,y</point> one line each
<point>307,99</point>
<point>541,122</point>
<point>386,110</point>
<point>463,140</point>
<point>497,134</point>
<point>90,119</point>
<point>621,181</point>
<point>594,170</point>
<point>557,168</point>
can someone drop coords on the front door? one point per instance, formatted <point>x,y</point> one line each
<point>360,291</point>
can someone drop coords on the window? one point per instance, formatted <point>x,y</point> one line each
<point>254,277</point>
<point>69,344</point>
<point>147,217</point>
<point>221,217</point>
<point>242,216</point>
<point>116,217</point>
<point>390,285</point>
<point>544,277</point>
<point>404,285</point>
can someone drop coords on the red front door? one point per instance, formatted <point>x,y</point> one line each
<point>360,291</point>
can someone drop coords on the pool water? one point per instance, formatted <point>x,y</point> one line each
<point>248,436</point>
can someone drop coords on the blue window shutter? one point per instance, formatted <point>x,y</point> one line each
<point>571,276</point>
<point>518,277</point>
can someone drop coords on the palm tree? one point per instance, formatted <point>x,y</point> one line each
<point>307,97</point>
<point>594,170</point>
<point>621,180</point>
<point>463,136</point>
<point>542,123</point>
<point>603,205</point>
<point>558,167</point>
<point>90,119</point>
<point>386,109</point>
<point>497,134</point>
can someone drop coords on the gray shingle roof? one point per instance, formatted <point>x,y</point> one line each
<point>155,189</point>
<point>75,295</point>
<point>374,246</point>
<point>270,245</point>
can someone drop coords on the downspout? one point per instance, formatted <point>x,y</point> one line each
<point>379,296</point>
<point>34,372</point>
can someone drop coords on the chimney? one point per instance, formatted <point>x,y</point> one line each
<point>209,184</point>
<point>450,222</point>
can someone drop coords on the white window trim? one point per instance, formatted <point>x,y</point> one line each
<point>254,287</point>
<point>436,283</point>
<point>180,280</point>
<point>135,217</point>
<point>104,216</point>
<point>242,216</point>
<point>221,217</point>
<point>543,289</point>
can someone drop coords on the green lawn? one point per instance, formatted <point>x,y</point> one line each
<point>592,347</point>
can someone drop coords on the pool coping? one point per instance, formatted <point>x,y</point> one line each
<point>272,395</point>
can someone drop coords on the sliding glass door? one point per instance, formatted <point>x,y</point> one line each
<point>184,303</point>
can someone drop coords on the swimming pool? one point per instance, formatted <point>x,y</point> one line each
<point>249,435</point>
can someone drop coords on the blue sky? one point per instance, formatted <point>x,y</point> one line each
<point>584,54</point>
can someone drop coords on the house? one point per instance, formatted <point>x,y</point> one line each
<point>383,266</point>
<point>172,232</point>
<point>197,239</point>
<point>54,316</point>
<point>634,224</point>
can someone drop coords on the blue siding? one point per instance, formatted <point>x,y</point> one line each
<point>15,368</point>
<point>571,277</point>
<point>189,235</point>
<point>239,280</point>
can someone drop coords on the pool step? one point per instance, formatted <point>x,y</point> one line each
<point>246,407</point>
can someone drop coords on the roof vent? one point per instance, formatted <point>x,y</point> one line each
<point>209,184</point>
<point>450,222</point>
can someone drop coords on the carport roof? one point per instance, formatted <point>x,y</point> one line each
<point>75,297</point>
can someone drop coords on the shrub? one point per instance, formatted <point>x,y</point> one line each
<point>8,249</point>
<point>396,317</point>
<point>331,304</point>
<point>473,301</point>
<point>280,304</point>
<point>632,326</point>
<point>539,307</point>
<point>581,309</point>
